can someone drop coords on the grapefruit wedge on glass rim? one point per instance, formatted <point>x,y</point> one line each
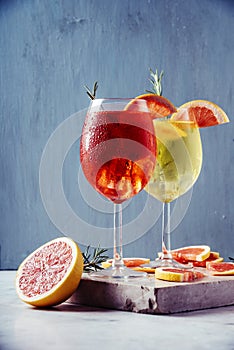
<point>159,106</point>
<point>204,113</point>
<point>50,274</point>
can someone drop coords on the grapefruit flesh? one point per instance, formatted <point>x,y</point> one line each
<point>203,112</point>
<point>159,106</point>
<point>50,274</point>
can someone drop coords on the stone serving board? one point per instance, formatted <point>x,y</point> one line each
<point>152,296</point>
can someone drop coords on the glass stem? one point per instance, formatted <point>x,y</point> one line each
<point>166,231</point>
<point>118,241</point>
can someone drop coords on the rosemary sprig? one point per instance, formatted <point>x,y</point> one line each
<point>156,81</point>
<point>93,260</point>
<point>92,94</point>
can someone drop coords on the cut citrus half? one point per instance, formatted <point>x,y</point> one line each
<point>204,113</point>
<point>159,106</point>
<point>194,253</point>
<point>220,268</point>
<point>177,275</point>
<point>50,274</point>
<point>128,262</point>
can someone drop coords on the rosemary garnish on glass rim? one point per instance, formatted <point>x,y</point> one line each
<point>92,94</point>
<point>156,81</point>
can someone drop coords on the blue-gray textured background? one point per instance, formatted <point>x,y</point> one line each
<point>50,49</point>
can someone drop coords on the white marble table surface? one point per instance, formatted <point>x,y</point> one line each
<point>79,327</point>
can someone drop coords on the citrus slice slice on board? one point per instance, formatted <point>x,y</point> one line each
<point>159,106</point>
<point>144,269</point>
<point>220,268</point>
<point>214,257</point>
<point>177,275</point>
<point>203,112</point>
<point>194,253</point>
<point>50,274</point>
<point>128,262</point>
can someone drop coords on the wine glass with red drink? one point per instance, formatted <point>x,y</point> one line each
<point>117,154</point>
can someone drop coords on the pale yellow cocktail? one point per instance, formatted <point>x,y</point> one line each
<point>179,159</point>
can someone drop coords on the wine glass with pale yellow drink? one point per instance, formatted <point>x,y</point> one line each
<point>179,154</point>
<point>179,162</point>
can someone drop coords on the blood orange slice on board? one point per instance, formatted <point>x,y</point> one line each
<point>204,113</point>
<point>159,106</point>
<point>213,257</point>
<point>220,268</point>
<point>128,262</point>
<point>191,253</point>
<point>177,275</point>
<point>50,274</point>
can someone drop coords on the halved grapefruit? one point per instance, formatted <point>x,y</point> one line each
<point>128,262</point>
<point>203,112</point>
<point>50,274</point>
<point>177,275</point>
<point>220,268</point>
<point>159,106</point>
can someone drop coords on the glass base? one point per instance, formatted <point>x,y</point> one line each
<point>116,273</point>
<point>168,263</point>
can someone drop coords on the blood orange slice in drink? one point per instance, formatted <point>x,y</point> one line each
<point>220,268</point>
<point>177,275</point>
<point>204,112</point>
<point>159,106</point>
<point>50,274</point>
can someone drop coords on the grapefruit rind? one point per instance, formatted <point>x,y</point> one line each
<point>177,275</point>
<point>65,287</point>
<point>205,113</point>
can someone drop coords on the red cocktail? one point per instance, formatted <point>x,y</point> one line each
<point>117,152</point>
